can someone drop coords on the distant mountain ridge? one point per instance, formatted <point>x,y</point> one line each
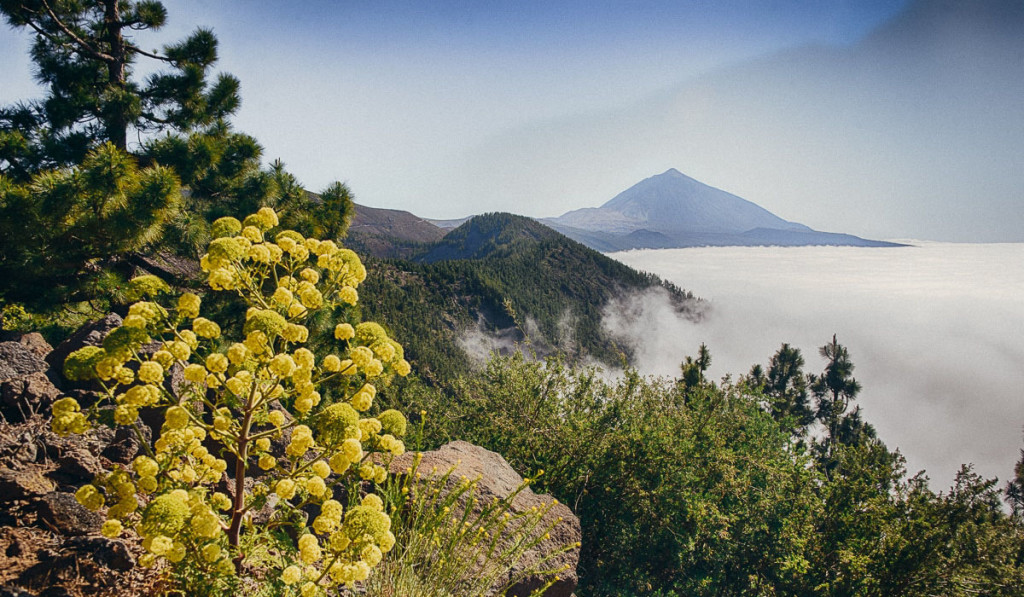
<point>390,233</point>
<point>672,210</point>
<point>666,211</point>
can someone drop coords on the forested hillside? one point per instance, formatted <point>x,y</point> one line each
<point>510,278</point>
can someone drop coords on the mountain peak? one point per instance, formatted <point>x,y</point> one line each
<point>673,202</point>
<point>673,210</point>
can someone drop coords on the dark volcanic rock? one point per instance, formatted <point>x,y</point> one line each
<point>125,444</point>
<point>62,512</point>
<point>77,465</point>
<point>26,395</point>
<point>112,553</point>
<point>179,270</point>
<point>22,485</point>
<point>91,334</point>
<point>24,388</point>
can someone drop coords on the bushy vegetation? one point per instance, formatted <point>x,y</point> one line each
<point>715,489</point>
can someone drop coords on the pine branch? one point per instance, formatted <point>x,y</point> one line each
<point>138,50</point>
<point>84,46</point>
<point>151,116</point>
<point>59,42</point>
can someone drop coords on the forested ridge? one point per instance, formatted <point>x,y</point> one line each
<point>508,275</point>
<point>767,482</point>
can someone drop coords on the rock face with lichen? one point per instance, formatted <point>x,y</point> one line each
<point>497,479</point>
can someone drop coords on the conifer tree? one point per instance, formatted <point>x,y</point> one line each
<point>1015,488</point>
<point>693,369</point>
<point>786,386</point>
<point>66,231</point>
<point>84,53</point>
<point>835,390</point>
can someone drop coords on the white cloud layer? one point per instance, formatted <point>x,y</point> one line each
<point>933,330</point>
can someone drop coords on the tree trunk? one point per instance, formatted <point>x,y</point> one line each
<point>116,123</point>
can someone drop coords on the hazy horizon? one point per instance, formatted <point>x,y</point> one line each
<point>888,118</point>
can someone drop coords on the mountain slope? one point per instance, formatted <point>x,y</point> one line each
<point>501,279</point>
<point>389,232</point>
<point>673,210</point>
<point>488,236</point>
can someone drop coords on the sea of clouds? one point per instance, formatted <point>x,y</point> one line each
<point>936,332</point>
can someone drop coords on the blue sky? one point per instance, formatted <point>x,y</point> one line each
<point>423,105</point>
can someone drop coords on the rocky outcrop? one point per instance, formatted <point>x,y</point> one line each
<point>23,485</point>
<point>497,479</point>
<point>61,512</point>
<point>173,268</point>
<point>25,387</point>
<point>49,544</point>
<point>91,334</point>
<point>16,360</point>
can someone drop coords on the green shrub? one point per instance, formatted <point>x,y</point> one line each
<point>695,491</point>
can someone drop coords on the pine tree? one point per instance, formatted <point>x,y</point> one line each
<point>1015,488</point>
<point>786,387</point>
<point>84,52</point>
<point>693,369</point>
<point>66,232</point>
<point>835,390</point>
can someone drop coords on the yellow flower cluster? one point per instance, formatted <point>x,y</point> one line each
<point>355,542</point>
<point>237,397</point>
<point>68,418</point>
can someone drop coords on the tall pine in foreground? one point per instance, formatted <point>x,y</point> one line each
<point>79,193</point>
<point>172,125</point>
<point>84,53</point>
<point>65,233</point>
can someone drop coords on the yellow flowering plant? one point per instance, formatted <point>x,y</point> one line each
<point>191,498</point>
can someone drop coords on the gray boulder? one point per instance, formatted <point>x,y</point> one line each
<point>17,360</point>
<point>497,479</point>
